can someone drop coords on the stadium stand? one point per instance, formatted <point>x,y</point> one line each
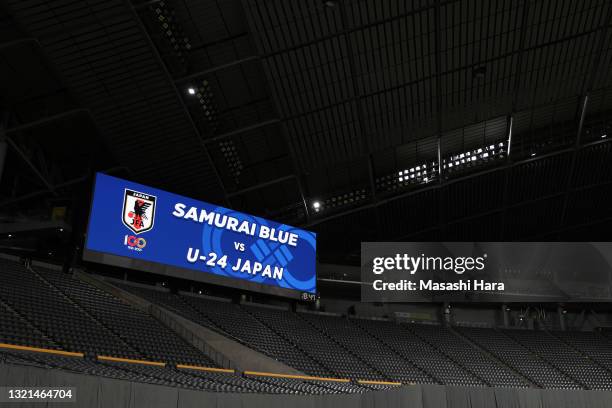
<point>174,377</point>
<point>97,323</point>
<point>517,356</point>
<point>137,329</point>
<point>379,349</point>
<point>575,365</point>
<point>57,316</point>
<point>92,319</point>
<point>321,348</point>
<point>15,330</point>
<point>593,345</point>
<point>472,359</point>
<point>410,347</point>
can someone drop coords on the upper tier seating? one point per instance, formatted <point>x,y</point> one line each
<point>472,359</point>
<point>15,330</point>
<point>529,364</point>
<point>320,348</point>
<point>325,345</point>
<point>137,329</point>
<point>564,358</point>
<point>45,308</point>
<point>412,348</point>
<point>596,346</point>
<point>56,316</point>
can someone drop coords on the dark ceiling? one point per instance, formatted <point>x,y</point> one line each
<point>361,120</point>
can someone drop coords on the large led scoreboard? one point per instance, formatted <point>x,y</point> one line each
<point>140,227</point>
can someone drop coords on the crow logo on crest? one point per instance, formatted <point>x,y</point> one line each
<point>138,211</point>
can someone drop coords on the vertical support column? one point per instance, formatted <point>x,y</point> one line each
<point>506,315</point>
<point>446,314</point>
<point>562,321</point>
<point>3,144</point>
<point>509,139</point>
<point>585,103</point>
<point>530,322</point>
<point>439,159</point>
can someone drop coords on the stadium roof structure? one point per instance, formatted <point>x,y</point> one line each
<point>361,120</point>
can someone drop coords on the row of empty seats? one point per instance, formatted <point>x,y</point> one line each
<point>410,347</point>
<point>136,328</point>
<point>55,316</point>
<point>480,365</point>
<point>45,308</point>
<point>513,354</point>
<point>324,345</point>
<point>14,330</point>
<point>173,377</point>
<point>77,316</point>
<point>564,358</point>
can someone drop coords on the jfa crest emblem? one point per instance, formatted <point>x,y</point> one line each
<point>138,211</point>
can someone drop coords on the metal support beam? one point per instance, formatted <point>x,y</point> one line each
<point>521,51</point>
<point>29,196</point>
<point>47,119</point>
<point>587,85</point>
<point>437,50</point>
<point>504,208</point>
<point>546,235</point>
<point>506,166</point>
<point>212,70</point>
<point>18,42</point>
<point>242,130</point>
<point>583,110</point>
<point>30,164</point>
<point>3,144</point>
<point>261,185</point>
<point>284,132</point>
<point>510,123</point>
<point>346,31</point>
<point>180,99</point>
<point>570,174</point>
<point>365,149</point>
<point>502,234</point>
<point>441,220</point>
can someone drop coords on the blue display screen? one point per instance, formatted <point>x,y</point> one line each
<point>146,224</point>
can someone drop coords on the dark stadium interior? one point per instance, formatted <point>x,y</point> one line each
<point>359,120</point>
